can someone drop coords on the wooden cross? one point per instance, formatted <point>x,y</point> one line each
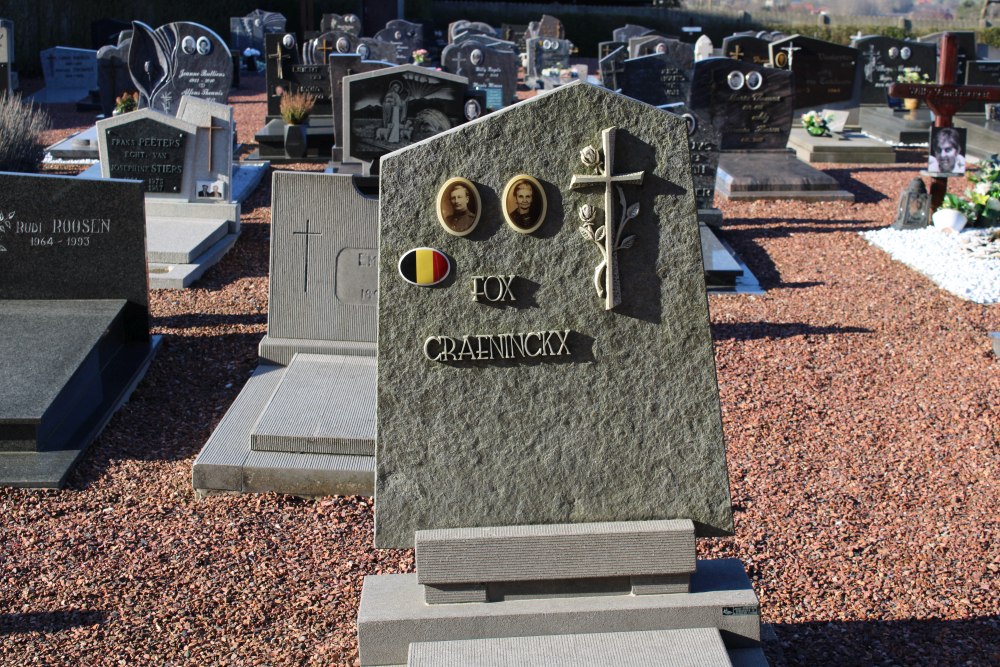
<point>307,234</point>
<point>280,56</point>
<point>324,48</point>
<point>945,100</point>
<point>737,53</point>
<point>608,178</point>
<point>211,139</point>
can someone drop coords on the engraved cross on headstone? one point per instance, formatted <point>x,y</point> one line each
<point>307,234</point>
<point>212,129</point>
<point>606,176</point>
<point>736,53</point>
<point>280,56</point>
<point>325,48</point>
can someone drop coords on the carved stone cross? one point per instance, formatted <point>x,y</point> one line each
<point>307,234</point>
<point>212,129</point>
<point>737,53</point>
<point>612,233</point>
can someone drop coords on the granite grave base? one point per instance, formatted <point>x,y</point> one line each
<point>774,175</point>
<point>982,136</point>
<point>897,127</point>
<point>75,367</point>
<point>725,272</point>
<point>320,138</point>
<point>556,580</point>
<point>842,148</point>
<point>229,463</point>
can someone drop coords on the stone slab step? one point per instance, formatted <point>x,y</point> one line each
<point>325,404</point>
<point>178,276</point>
<point>774,175</point>
<point>849,148</point>
<point>181,240</point>
<point>226,463</point>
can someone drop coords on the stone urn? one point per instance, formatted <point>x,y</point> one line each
<point>296,139</point>
<point>948,219</point>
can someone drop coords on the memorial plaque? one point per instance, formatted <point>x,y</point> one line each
<point>179,59</point>
<point>658,79</point>
<point>750,106</point>
<point>966,50</point>
<point>586,414</point>
<point>883,60</point>
<point>826,74</point>
<point>345,22</point>
<point>150,151</point>
<point>490,68</point>
<point>747,48</point>
<point>980,73</point>
<point>392,108</point>
<point>703,145</point>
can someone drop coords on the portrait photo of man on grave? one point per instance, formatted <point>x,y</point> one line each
<point>458,206</point>
<point>209,189</point>
<point>947,154</point>
<point>524,204</point>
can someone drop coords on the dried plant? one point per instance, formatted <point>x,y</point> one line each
<point>21,127</point>
<point>295,107</point>
<point>127,102</point>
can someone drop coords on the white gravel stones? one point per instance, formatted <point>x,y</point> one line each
<point>942,257</point>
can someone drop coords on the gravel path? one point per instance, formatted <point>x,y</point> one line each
<point>860,405</point>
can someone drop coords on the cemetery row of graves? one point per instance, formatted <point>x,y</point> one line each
<point>353,347</point>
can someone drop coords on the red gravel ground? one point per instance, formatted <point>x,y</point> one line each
<point>861,415</point>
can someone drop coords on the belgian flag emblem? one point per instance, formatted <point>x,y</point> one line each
<point>424,266</point>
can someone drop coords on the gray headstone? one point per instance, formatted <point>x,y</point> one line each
<point>113,77</point>
<point>324,259</point>
<point>347,22</point>
<point>179,59</point>
<point>584,413</point>
<point>547,26</point>
<point>213,151</point>
<point>247,32</point>
<point>6,41</point>
<point>405,36</point>
<point>883,59</point>
<point>547,52</point>
<point>152,147</point>
<point>495,69</point>
<point>658,78</point>
<point>826,74</point>
<point>628,31</point>
<point>391,108</point>
<point>750,106</point>
<point>747,47</point>
<point>342,65</point>
<point>644,46</point>
<point>70,74</point>
<point>456,28</point>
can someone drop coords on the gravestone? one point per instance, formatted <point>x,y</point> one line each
<point>492,68</point>
<point>545,53</point>
<point>74,318</point>
<point>658,78</point>
<point>884,59</point>
<point>105,32</point>
<point>179,59</point>
<point>748,48</point>
<point>644,46</point>
<point>405,36</point>
<point>388,109</point>
<point>605,49</point>
<point>983,130</point>
<point>349,23</point>
<point>703,48</point>
<point>625,490</point>
<point>751,107</point>
<point>247,32</point>
<point>966,50</point>
<point>304,423</point>
<point>628,31</point>
<point>6,54</point>
<point>826,74</point>
<point>70,74</point>
<point>113,78</point>
<point>611,68</point>
<point>547,26</point>
<point>340,66</point>
<point>185,164</point>
<point>463,26</point>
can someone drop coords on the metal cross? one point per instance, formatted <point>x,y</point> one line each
<point>324,48</point>
<point>790,50</point>
<point>280,57</point>
<point>737,53</point>
<point>307,234</point>
<point>608,178</point>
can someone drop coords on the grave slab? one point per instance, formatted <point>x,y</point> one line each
<point>843,148</point>
<point>896,127</point>
<point>775,175</point>
<point>392,613</point>
<point>982,136</point>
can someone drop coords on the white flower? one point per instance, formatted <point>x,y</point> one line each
<point>982,188</point>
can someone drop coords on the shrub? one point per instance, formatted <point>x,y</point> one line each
<point>295,107</point>
<point>21,127</point>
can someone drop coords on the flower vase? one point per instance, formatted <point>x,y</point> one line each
<point>296,140</point>
<point>816,131</point>
<point>948,219</point>
<point>911,103</point>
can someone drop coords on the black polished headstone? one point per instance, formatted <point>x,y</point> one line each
<point>883,60</point>
<point>405,36</point>
<point>113,78</point>
<point>285,73</point>
<point>493,70</point>
<point>747,119</point>
<point>966,50</point>
<point>456,28</point>
<point>247,32</point>
<point>342,65</point>
<point>826,74</point>
<point>605,49</point>
<point>658,79</point>
<point>105,31</point>
<point>980,73</point>
<point>179,59</point>
<point>148,150</point>
<point>703,145</point>
<point>630,30</point>
<point>748,48</point>
<point>547,52</point>
<point>347,23</point>
<point>644,46</point>
<point>612,66</point>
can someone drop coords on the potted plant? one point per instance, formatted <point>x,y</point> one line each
<point>295,109</point>
<point>951,216</point>
<point>817,124</point>
<point>984,195</point>
<point>126,102</point>
<point>912,75</point>
<point>419,56</point>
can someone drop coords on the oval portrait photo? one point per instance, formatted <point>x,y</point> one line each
<point>458,206</point>
<point>524,204</point>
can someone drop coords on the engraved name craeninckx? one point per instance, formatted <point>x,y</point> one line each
<point>54,233</point>
<point>607,237</point>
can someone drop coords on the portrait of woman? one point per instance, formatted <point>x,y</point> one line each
<point>947,151</point>
<point>524,204</point>
<point>458,206</point>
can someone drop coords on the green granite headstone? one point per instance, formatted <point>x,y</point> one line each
<point>564,374</point>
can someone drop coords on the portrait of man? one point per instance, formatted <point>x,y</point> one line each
<point>524,204</point>
<point>458,206</point>
<point>947,151</point>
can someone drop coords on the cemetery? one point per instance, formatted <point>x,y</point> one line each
<point>374,334</point>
